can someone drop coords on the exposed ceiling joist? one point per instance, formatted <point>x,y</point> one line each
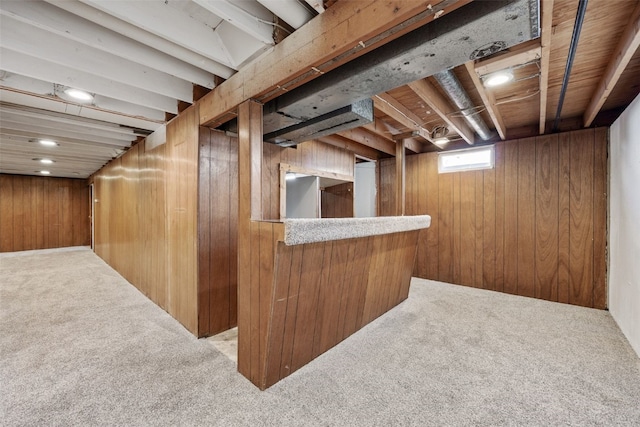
<point>347,144</point>
<point>45,71</point>
<point>62,23</point>
<point>488,99</point>
<point>152,40</point>
<point>392,108</point>
<point>65,119</point>
<point>316,4</point>
<point>430,95</point>
<point>520,54</point>
<point>20,127</point>
<point>545,54</point>
<point>44,45</point>
<point>290,11</point>
<point>169,23</point>
<point>88,111</point>
<point>239,18</point>
<point>370,139</point>
<point>295,59</point>
<point>627,46</point>
<point>382,128</point>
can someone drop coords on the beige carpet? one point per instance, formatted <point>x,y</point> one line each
<point>80,346</point>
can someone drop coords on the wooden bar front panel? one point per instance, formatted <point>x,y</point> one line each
<point>43,213</point>
<point>315,295</point>
<point>533,226</point>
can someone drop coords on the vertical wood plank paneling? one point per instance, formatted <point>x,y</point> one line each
<point>467,234</point>
<point>538,218</point>
<point>564,145</point>
<point>278,308</point>
<point>600,218</point>
<point>499,215</point>
<point>581,219</point>
<point>205,225</point>
<point>511,217</point>
<point>479,224</point>
<point>526,217</point>
<point>307,305</point>
<point>6,213</point>
<point>445,228</point>
<point>323,299</point>
<point>546,248</point>
<point>291,310</point>
<point>430,199</point>
<point>488,229</point>
<point>42,212</point>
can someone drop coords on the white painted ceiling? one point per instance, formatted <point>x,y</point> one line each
<point>138,58</point>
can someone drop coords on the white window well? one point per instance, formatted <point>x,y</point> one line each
<point>469,159</point>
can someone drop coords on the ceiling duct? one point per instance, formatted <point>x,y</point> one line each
<point>357,114</point>
<point>473,31</point>
<point>458,95</point>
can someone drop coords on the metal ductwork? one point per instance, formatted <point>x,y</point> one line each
<point>471,32</point>
<point>458,95</point>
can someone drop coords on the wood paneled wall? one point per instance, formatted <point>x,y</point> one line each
<point>217,232</point>
<point>337,201</point>
<point>533,226</point>
<point>146,225</point>
<point>218,214</point>
<point>130,223</point>
<point>43,213</point>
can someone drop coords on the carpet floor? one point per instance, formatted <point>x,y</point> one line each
<point>81,346</point>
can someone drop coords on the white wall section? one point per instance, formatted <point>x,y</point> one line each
<point>624,223</point>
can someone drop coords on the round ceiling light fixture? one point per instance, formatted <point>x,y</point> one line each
<point>498,78</point>
<point>79,95</point>
<point>44,172</point>
<point>72,94</point>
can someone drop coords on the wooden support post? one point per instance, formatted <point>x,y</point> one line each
<point>250,160</point>
<point>249,208</point>
<point>400,177</point>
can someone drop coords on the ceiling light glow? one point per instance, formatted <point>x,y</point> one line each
<point>441,141</point>
<point>46,161</point>
<point>78,94</point>
<point>45,172</point>
<point>48,143</point>
<point>498,78</point>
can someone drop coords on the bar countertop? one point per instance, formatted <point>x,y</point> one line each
<point>312,230</point>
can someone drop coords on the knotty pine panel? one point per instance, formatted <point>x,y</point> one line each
<point>533,226</point>
<point>43,213</point>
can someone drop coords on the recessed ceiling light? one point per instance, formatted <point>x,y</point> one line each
<point>498,78</point>
<point>45,172</point>
<point>45,161</point>
<point>78,94</point>
<point>48,143</point>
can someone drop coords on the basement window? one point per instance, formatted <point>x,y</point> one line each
<point>469,159</point>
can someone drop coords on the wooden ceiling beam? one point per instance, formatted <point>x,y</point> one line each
<point>370,139</point>
<point>439,104</point>
<point>351,29</point>
<point>488,99</point>
<point>627,46</point>
<point>382,128</point>
<point>520,54</point>
<point>347,144</point>
<point>394,109</point>
<point>545,54</point>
